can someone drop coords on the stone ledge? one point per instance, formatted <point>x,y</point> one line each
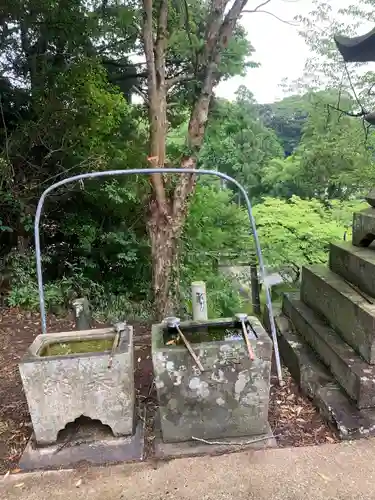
<point>93,444</point>
<point>364,227</point>
<point>354,264</point>
<point>354,375</point>
<point>370,198</point>
<point>165,451</point>
<point>319,385</point>
<point>347,311</point>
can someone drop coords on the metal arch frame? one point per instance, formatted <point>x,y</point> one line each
<point>147,171</point>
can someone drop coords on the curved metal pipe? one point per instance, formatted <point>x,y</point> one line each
<point>145,171</point>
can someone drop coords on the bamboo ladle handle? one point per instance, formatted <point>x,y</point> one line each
<point>247,341</point>
<point>190,349</point>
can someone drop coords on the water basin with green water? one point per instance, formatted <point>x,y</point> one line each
<point>77,347</point>
<point>213,333</point>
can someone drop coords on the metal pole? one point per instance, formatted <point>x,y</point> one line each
<point>147,171</point>
<point>254,285</point>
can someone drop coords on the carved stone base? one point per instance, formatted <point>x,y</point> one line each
<point>92,443</point>
<point>100,385</point>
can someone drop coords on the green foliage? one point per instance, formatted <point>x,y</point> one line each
<point>215,226</point>
<point>286,118</point>
<point>238,144</point>
<point>298,232</point>
<point>187,25</point>
<point>342,164</point>
<point>65,108</point>
<point>333,159</point>
<point>58,293</point>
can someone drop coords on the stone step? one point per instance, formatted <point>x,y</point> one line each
<point>354,375</point>
<point>370,198</point>
<point>364,227</point>
<point>319,385</point>
<point>354,264</point>
<point>344,309</point>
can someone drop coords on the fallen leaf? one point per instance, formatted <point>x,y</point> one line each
<point>78,483</point>
<point>15,471</point>
<point>19,485</point>
<point>329,439</point>
<point>299,409</point>
<point>6,475</point>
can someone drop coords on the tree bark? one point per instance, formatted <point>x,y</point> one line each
<point>162,246</point>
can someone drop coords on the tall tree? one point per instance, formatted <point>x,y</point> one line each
<point>237,142</point>
<point>169,201</point>
<point>286,119</point>
<point>334,158</point>
<point>59,116</point>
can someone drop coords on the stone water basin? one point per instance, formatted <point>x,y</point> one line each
<point>229,398</point>
<point>67,375</point>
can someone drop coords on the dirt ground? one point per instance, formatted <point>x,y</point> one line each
<point>294,420</point>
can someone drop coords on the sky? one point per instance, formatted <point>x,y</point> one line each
<point>285,59</point>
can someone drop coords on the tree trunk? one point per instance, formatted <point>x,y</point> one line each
<point>162,252</point>
<point>167,211</point>
<point>165,228</point>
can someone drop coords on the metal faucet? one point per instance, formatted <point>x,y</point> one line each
<point>119,327</point>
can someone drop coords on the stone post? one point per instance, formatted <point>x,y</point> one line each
<point>255,291</point>
<point>82,314</point>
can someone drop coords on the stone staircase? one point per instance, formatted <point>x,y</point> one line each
<point>326,331</point>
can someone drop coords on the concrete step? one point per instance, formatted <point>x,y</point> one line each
<point>364,227</point>
<point>370,198</point>
<point>355,264</point>
<point>319,385</point>
<point>354,375</point>
<point>343,308</point>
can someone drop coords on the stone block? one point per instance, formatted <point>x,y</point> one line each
<point>364,227</point>
<point>354,375</point>
<point>82,314</point>
<point>355,264</point>
<point>167,451</point>
<point>229,399</point>
<point>320,386</point>
<point>90,444</point>
<point>61,388</point>
<point>344,309</point>
<point>370,198</point>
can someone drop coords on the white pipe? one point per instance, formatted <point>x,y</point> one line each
<point>199,301</point>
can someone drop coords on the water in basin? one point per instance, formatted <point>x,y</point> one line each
<point>212,333</point>
<point>62,348</point>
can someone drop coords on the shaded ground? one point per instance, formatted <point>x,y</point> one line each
<point>293,419</point>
